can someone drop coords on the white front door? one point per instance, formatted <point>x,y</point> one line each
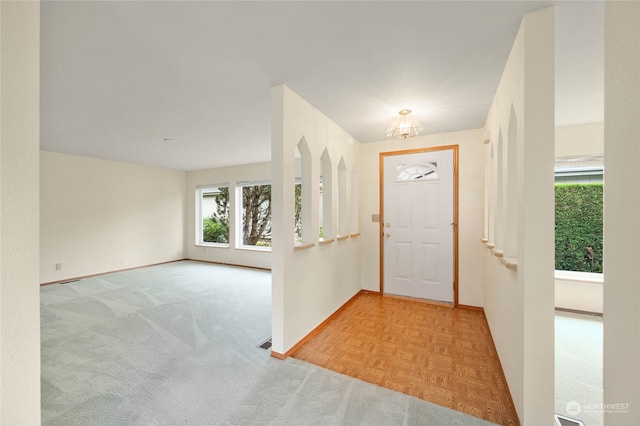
<point>418,228</point>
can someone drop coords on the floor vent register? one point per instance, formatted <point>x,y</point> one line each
<point>266,345</point>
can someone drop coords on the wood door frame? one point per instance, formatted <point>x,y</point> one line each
<point>456,226</point>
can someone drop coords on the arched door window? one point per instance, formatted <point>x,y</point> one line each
<point>426,171</point>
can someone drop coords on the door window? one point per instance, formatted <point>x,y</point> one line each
<point>428,171</point>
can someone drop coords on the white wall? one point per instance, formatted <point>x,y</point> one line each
<point>471,176</point>
<point>231,254</point>
<point>99,216</point>
<point>622,221</point>
<point>581,139</point>
<point>519,305</point>
<point>19,145</point>
<point>307,285</point>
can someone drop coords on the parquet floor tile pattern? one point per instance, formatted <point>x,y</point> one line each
<point>437,353</point>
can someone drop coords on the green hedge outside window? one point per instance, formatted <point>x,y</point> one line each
<point>579,227</point>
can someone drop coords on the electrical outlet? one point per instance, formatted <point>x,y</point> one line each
<point>58,266</point>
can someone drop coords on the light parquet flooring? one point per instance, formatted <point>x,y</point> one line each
<point>437,353</point>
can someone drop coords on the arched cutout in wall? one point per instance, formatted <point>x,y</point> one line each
<point>487,174</point>
<point>325,221</point>
<point>499,218</point>
<point>343,205</point>
<point>511,237</point>
<point>355,200</point>
<point>303,198</point>
<point>492,194</point>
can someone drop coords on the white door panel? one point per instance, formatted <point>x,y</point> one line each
<point>430,255</point>
<point>403,257</point>
<point>418,232</point>
<point>429,214</point>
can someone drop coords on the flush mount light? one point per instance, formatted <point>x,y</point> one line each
<point>404,126</point>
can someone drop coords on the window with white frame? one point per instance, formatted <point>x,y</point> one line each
<point>212,224</point>
<point>255,205</point>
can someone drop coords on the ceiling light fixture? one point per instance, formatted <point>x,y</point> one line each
<point>404,126</point>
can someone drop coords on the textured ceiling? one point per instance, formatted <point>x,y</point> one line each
<point>186,85</point>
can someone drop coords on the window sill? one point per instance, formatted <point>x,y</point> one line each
<point>487,244</point>
<point>588,277</point>
<point>327,241</point>
<point>507,262</point>
<point>254,248</point>
<point>212,245</point>
<point>303,246</point>
<point>342,237</point>
<point>355,234</point>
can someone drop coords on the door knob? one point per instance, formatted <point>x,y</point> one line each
<point>386,234</point>
<point>386,225</point>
